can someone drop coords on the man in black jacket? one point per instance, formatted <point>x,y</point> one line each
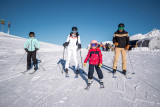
<point>121,42</point>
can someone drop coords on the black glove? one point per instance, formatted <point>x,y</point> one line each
<point>79,46</point>
<point>65,44</point>
<point>26,49</point>
<point>36,49</point>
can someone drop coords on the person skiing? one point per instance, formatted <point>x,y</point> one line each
<point>31,46</point>
<point>73,44</point>
<point>95,60</point>
<point>121,42</point>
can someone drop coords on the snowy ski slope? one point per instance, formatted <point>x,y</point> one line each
<point>50,88</point>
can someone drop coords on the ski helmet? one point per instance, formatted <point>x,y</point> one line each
<point>94,42</point>
<point>31,33</point>
<point>74,29</point>
<point>121,25</point>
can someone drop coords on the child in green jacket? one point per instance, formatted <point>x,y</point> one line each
<point>31,46</point>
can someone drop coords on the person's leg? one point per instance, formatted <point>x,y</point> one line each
<point>99,72</point>
<point>34,58</point>
<point>29,54</point>
<point>68,59</point>
<point>124,62</point>
<point>91,71</point>
<point>117,52</point>
<point>75,60</point>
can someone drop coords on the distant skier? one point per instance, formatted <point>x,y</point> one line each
<point>31,46</point>
<point>73,44</point>
<point>95,60</point>
<point>121,42</point>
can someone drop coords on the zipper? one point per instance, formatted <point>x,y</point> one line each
<point>31,44</point>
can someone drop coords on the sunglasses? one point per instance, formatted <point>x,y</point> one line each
<point>120,28</point>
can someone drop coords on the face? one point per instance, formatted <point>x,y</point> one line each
<point>93,46</point>
<point>121,29</point>
<point>31,35</point>
<point>74,33</point>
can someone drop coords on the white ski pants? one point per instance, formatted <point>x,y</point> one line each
<point>74,52</point>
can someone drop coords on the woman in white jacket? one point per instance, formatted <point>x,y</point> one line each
<point>73,44</point>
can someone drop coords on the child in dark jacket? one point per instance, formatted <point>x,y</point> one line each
<point>95,60</point>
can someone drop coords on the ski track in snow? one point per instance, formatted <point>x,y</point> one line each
<point>50,88</point>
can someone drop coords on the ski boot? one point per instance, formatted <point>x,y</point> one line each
<point>66,70</point>
<point>35,67</point>
<point>124,72</point>
<point>28,68</point>
<point>89,84</point>
<point>101,83</point>
<point>77,71</point>
<point>114,71</point>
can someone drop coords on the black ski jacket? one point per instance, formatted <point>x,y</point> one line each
<point>122,38</point>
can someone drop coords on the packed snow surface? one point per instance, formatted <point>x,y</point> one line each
<point>50,88</point>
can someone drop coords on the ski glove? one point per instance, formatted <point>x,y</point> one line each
<point>84,64</point>
<point>26,49</point>
<point>127,47</point>
<point>36,49</point>
<point>116,44</point>
<point>100,65</point>
<point>79,46</point>
<point>65,44</point>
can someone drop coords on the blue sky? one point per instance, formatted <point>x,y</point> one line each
<point>52,20</point>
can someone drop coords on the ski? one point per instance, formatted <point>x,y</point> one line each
<point>33,72</point>
<point>127,77</point>
<point>114,76</point>
<point>101,85</point>
<point>88,86</point>
<point>24,72</point>
<point>67,75</point>
<point>76,76</point>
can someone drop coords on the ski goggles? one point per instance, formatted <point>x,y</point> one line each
<point>74,31</point>
<point>94,44</point>
<point>120,28</point>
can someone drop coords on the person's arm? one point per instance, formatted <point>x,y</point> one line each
<point>88,55</point>
<point>26,44</point>
<point>38,44</point>
<point>100,57</point>
<point>115,40</point>
<point>127,40</point>
<point>79,43</point>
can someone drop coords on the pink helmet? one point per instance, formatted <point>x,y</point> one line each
<point>94,41</point>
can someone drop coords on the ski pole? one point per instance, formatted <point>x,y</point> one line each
<point>131,63</point>
<point>81,61</point>
<point>40,64</point>
<point>19,61</point>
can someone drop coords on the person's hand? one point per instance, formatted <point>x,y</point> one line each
<point>116,44</point>
<point>36,49</point>
<point>65,44</point>
<point>26,49</point>
<point>127,47</point>
<point>79,46</point>
<point>84,64</point>
<point>100,65</point>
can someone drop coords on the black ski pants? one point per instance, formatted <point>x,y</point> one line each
<point>31,55</point>
<point>91,71</point>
